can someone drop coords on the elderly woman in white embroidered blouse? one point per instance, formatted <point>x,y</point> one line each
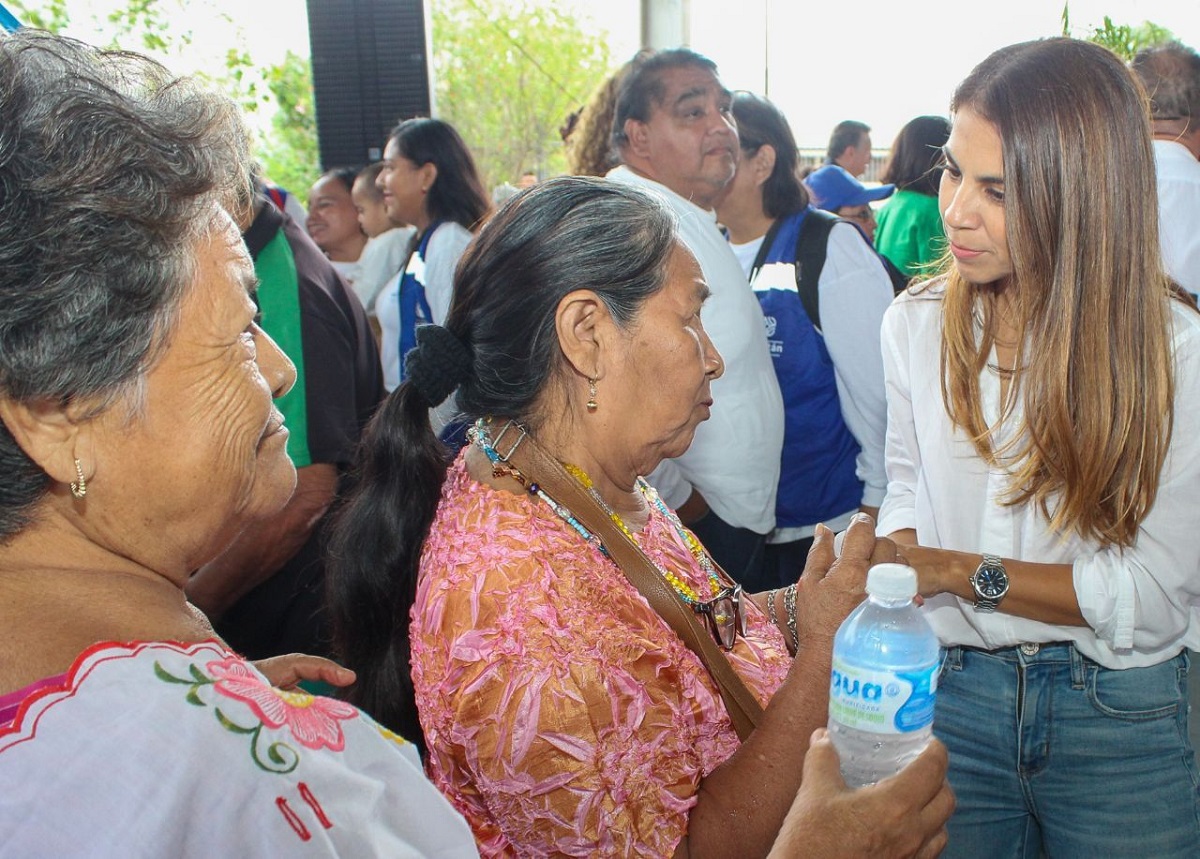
<point>138,437</point>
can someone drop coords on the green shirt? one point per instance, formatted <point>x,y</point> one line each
<point>910,232</point>
<point>279,300</point>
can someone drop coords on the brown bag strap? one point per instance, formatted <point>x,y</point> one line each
<point>525,455</point>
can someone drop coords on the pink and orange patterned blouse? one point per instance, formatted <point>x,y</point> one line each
<point>562,714</point>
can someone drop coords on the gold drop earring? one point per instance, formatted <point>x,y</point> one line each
<point>79,490</point>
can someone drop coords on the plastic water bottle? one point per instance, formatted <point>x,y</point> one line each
<point>881,693</point>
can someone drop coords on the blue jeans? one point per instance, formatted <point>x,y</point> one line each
<point>1052,754</point>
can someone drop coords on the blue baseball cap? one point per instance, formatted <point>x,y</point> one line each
<point>833,188</point>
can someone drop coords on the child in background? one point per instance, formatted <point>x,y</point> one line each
<point>388,243</point>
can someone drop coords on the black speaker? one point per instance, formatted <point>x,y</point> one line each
<point>370,65</point>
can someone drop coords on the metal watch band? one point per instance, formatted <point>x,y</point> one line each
<point>985,603</point>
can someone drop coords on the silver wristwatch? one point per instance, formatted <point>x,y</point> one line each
<point>990,583</point>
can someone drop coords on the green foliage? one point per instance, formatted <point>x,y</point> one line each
<point>49,15</point>
<point>507,74</point>
<point>288,153</point>
<point>1126,41</point>
<point>241,79</point>
<point>286,144</point>
<point>148,26</point>
<point>150,22</point>
<point>1122,39</point>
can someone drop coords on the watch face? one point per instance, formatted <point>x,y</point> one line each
<point>991,581</point>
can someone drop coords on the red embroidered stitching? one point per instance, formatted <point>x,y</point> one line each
<point>293,819</point>
<point>307,796</point>
<point>81,668</point>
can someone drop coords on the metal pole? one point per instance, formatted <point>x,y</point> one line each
<point>666,23</point>
<point>766,48</point>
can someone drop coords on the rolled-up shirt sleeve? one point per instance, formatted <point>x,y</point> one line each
<point>1138,600</point>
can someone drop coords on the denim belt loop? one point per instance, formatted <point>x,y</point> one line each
<point>952,659</point>
<point>1078,669</point>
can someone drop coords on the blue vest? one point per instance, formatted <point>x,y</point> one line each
<point>817,480</point>
<point>414,308</point>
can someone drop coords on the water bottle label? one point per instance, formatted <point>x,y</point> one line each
<point>883,702</point>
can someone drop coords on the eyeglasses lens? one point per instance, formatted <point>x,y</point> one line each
<point>726,616</point>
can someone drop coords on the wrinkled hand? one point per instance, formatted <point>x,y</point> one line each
<point>830,587</point>
<point>902,816</point>
<point>286,672</point>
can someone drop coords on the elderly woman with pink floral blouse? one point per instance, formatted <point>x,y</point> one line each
<point>561,714</point>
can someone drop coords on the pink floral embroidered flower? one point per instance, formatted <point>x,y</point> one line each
<point>313,721</point>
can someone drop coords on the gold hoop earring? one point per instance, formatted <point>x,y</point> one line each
<point>79,489</point>
<point>591,403</point>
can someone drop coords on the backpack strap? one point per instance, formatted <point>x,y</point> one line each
<point>898,278</point>
<point>765,248</point>
<point>811,245</point>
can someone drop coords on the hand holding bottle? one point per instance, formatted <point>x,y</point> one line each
<point>902,816</point>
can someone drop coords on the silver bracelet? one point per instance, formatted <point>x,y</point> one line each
<point>771,607</point>
<point>789,604</point>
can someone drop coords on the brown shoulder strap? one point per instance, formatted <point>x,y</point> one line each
<point>539,467</point>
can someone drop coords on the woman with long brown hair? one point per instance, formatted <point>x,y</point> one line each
<point>1041,473</point>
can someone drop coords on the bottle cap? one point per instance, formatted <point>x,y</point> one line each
<point>892,582</point>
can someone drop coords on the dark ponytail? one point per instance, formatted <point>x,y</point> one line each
<point>375,552</point>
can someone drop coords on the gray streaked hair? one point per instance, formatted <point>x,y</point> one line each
<point>643,87</point>
<point>560,236</point>
<point>1171,75</point>
<point>111,171</point>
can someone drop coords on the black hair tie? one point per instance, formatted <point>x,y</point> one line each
<point>438,364</point>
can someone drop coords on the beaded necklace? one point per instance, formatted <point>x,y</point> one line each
<point>482,439</point>
<point>686,591</point>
